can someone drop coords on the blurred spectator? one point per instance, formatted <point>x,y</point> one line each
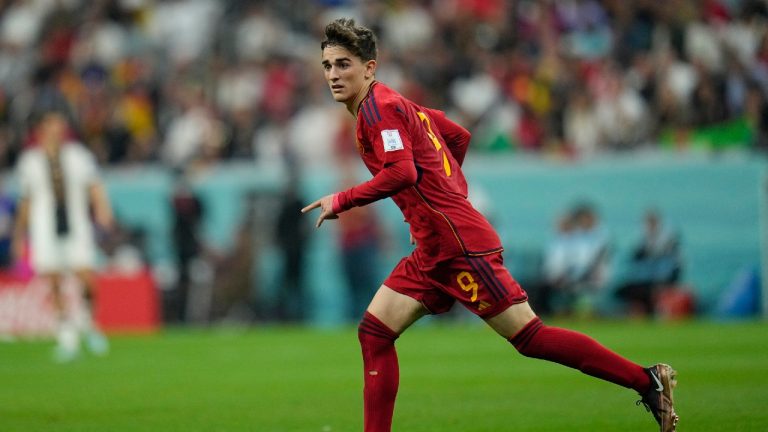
<point>408,26</point>
<point>576,264</point>
<point>677,81</point>
<point>592,266</point>
<point>656,264</point>
<point>582,131</point>
<point>234,289</point>
<point>184,29</point>
<point>21,23</point>
<point>291,237</point>
<point>620,111</point>
<point>188,213</point>
<point>258,33</point>
<point>555,268</point>
<point>195,136</point>
<point>269,141</point>
<point>239,95</point>
<point>708,97</point>
<point>314,122</point>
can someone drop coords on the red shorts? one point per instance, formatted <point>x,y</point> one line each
<point>482,284</point>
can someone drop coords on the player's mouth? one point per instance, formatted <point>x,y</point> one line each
<point>336,87</point>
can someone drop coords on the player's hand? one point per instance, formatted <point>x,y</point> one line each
<point>326,209</point>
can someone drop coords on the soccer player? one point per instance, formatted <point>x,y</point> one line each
<point>415,156</point>
<point>59,185</point>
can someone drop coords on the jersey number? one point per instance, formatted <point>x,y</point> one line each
<point>467,283</point>
<point>436,142</point>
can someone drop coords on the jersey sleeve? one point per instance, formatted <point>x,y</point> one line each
<point>456,137</point>
<point>88,165</point>
<point>387,182</point>
<point>388,131</point>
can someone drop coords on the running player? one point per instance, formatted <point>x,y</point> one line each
<point>415,156</point>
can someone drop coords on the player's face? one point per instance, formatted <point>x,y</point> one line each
<point>53,128</point>
<point>346,74</point>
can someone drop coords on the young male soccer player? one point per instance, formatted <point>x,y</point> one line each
<point>59,187</point>
<point>415,155</point>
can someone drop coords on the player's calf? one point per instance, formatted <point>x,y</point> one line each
<point>381,373</point>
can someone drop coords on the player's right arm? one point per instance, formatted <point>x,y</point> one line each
<point>395,177</point>
<point>392,179</point>
<point>456,137</point>
<point>20,228</point>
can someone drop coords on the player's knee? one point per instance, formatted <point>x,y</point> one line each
<point>522,339</point>
<point>371,330</point>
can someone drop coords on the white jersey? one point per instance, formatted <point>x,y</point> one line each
<point>76,249</point>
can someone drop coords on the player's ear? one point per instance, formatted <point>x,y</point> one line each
<point>370,69</point>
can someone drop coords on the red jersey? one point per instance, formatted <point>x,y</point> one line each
<point>393,131</point>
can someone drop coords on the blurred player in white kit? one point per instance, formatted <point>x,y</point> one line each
<point>59,189</point>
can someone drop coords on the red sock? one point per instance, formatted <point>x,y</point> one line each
<point>381,373</point>
<point>576,350</point>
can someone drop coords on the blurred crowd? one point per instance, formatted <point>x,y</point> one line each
<point>583,272</point>
<point>199,81</point>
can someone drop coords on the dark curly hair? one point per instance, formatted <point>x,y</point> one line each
<point>358,40</point>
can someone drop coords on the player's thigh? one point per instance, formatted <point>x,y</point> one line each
<point>481,284</point>
<point>512,319</point>
<point>397,311</point>
<point>85,275</point>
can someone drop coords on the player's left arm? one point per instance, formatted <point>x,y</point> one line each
<point>102,210</point>
<point>456,137</point>
<point>97,193</point>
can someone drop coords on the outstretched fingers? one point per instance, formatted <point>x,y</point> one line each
<point>312,206</point>
<point>326,205</point>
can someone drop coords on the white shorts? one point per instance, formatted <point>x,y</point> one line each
<point>65,253</point>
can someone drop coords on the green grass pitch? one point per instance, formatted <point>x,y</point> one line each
<point>454,377</point>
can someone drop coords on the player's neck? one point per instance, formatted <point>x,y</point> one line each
<point>51,148</point>
<point>361,95</point>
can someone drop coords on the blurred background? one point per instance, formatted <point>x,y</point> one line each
<point>618,148</point>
